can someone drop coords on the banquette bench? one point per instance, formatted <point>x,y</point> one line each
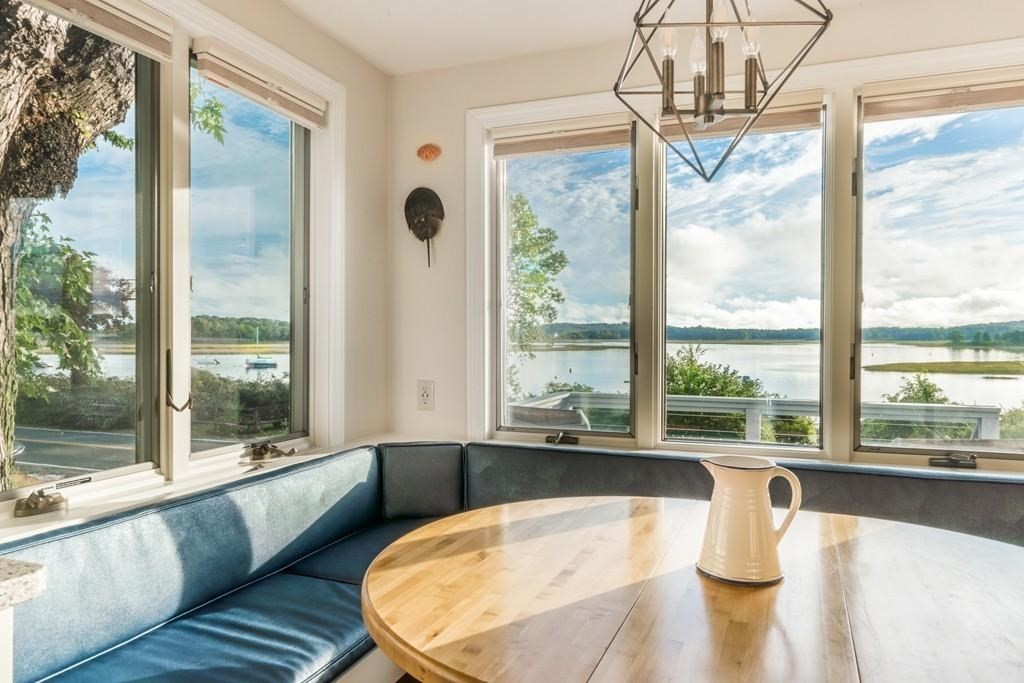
<point>259,580</point>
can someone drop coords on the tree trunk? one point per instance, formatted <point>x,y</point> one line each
<point>8,371</point>
<point>61,87</point>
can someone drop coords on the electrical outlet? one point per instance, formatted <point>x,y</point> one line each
<point>425,394</point>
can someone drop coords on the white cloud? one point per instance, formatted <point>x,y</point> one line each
<point>240,212</point>
<point>573,312</point>
<point>585,199</point>
<point>750,313</point>
<point>239,285</point>
<point>942,243</point>
<point>750,252</point>
<point>913,131</point>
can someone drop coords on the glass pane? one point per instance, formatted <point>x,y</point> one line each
<point>943,320</point>
<point>242,231</point>
<point>68,254</point>
<point>743,292</point>
<point>567,269</point>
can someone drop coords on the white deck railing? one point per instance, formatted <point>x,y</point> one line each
<point>984,418</point>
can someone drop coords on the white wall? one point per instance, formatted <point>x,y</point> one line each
<point>366,322</point>
<point>427,307</point>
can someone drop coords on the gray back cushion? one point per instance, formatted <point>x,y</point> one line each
<point>422,479</point>
<point>498,473</point>
<point>113,578</point>
<point>983,504</point>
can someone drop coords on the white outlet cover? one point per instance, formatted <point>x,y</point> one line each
<point>425,394</point>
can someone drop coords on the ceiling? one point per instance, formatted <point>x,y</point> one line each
<point>404,36</point>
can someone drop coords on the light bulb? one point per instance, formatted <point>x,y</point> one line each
<point>751,40</point>
<point>720,16</point>
<point>668,42</point>
<point>698,54</point>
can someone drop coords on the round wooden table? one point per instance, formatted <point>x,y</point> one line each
<point>604,589</point>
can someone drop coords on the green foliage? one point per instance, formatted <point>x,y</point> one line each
<point>231,408</point>
<point>915,389</point>
<point>222,407</point>
<point>97,404</point>
<point>1011,423</point>
<point>61,296</point>
<point>118,141</point>
<point>688,374</point>
<point>918,389</point>
<point>534,263</point>
<point>207,112</point>
<point>556,387</point>
<point>212,327</point>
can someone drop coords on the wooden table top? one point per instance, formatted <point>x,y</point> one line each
<point>605,589</point>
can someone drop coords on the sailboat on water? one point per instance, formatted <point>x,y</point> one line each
<point>260,362</point>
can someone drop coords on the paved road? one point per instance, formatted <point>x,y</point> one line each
<point>56,453</point>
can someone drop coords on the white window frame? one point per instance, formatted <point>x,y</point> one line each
<point>326,238</point>
<point>841,83</point>
<point>175,470</point>
<point>500,235</point>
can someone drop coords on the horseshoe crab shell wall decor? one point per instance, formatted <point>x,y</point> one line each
<point>424,213</point>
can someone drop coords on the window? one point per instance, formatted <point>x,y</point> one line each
<point>743,283</point>
<point>566,324</point>
<point>249,269</point>
<point>77,260</point>
<point>942,319</point>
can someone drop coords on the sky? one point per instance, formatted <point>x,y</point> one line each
<point>240,211</point>
<point>944,202</point>
<point>944,199</point>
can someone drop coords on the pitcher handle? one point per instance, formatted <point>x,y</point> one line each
<point>795,501</point>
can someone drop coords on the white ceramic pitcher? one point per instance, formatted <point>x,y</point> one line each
<point>741,541</point>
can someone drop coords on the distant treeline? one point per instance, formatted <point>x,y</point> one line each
<point>213,327</point>
<point>981,334</point>
<point>240,329</point>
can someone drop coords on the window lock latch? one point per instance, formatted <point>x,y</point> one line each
<point>963,460</point>
<point>562,438</point>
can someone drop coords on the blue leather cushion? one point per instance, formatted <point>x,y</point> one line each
<point>283,628</point>
<point>116,577</point>
<point>422,479</point>
<point>348,559</point>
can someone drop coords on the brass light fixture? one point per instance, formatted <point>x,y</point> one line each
<point>707,102</point>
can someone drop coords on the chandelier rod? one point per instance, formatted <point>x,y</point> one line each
<point>762,73</point>
<point>628,65</point>
<point>777,87</point>
<point>823,14</point>
<point>757,78</point>
<point>661,77</point>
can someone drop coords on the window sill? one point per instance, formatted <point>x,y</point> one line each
<point>991,470</point>
<point>101,498</point>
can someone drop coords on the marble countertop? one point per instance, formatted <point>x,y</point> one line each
<point>20,582</point>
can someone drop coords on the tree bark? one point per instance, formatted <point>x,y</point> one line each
<point>61,87</point>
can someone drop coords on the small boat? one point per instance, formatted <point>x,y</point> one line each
<point>260,362</point>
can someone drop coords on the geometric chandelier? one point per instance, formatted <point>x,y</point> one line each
<point>705,103</point>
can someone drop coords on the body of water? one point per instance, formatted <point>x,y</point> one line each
<point>790,370</point>
<point>223,364</point>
